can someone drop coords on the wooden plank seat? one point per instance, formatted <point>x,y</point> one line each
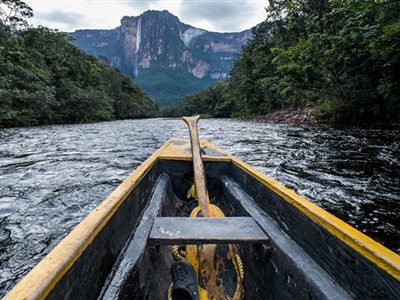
<point>229,230</point>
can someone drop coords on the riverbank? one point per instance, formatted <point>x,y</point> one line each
<point>287,116</point>
<point>306,116</point>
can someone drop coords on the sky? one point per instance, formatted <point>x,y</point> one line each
<point>211,15</point>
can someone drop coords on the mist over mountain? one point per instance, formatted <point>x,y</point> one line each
<point>166,58</point>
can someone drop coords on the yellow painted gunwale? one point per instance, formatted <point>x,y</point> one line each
<point>38,283</point>
<point>179,149</point>
<point>381,256</point>
<point>378,254</point>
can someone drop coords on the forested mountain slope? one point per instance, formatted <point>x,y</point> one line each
<point>340,58</point>
<point>165,57</point>
<point>45,79</point>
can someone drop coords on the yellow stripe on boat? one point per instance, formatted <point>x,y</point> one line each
<point>179,149</point>
<point>367,247</point>
<point>41,280</point>
<point>386,259</point>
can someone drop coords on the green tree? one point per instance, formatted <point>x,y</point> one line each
<point>14,12</point>
<point>339,57</point>
<point>45,79</point>
<point>335,64</point>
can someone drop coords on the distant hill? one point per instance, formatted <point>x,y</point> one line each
<point>166,58</point>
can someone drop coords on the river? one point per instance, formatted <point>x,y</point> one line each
<point>51,177</point>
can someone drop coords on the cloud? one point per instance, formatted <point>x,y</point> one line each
<point>214,15</point>
<point>223,15</point>
<point>142,5</point>
<point>57,18</point>
<point>64,17</point>
<point>79,14</point>
<point>211,15</point>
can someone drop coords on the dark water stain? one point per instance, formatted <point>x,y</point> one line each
<point>52,177</point>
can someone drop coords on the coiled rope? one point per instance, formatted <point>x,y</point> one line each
<point>178,251</point>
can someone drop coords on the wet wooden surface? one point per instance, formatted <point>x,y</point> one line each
<point>237,230</point>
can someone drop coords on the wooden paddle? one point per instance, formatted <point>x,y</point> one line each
<point>198,167</point>
<point>208,260</point>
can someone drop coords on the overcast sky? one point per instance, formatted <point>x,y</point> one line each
<point>211,15</point>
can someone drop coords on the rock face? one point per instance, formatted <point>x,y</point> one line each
<point>157,47</point>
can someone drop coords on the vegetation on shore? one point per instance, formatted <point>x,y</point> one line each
<point>45,79</point>
<point>166,87</point>
<point>287,116</point>
<point>340,58</point>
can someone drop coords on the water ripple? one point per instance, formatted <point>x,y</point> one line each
<point>54,176</point>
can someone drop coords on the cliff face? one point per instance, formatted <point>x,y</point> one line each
<point>167,58</point>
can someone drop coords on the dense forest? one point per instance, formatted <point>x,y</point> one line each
<point>168,87</point>
<point>45,79</point>
<point>339,57</point>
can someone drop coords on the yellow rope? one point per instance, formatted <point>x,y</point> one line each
<point>178,252</point>
<point>170,291</point>
<point>240,266</point>
<point>192,193</point>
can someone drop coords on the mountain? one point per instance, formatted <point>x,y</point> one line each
<point>165,57</point>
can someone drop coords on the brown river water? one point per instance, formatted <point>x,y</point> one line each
<point>52,177</point>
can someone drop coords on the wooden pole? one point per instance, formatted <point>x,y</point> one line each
<point>198,167</point>
<point>204,257</point>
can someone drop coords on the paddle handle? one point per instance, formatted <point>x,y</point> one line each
<point>198,167</point>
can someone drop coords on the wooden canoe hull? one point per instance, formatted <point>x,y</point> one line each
<point>309,254</point>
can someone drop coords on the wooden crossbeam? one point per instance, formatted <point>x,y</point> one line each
<point>229,230</point>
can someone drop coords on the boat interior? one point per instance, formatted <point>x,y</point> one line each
<point>285,254</point>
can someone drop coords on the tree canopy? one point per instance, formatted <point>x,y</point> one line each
<point>339,57</point>
<point>45,79</point>
<point>14,12</point>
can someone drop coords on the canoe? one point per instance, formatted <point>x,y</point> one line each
<point>289,247</point>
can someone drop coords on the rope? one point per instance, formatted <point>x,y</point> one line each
<point>170,291</point>
<point>178,252</point>
<point>192,193</point>
<point>240,266</point>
